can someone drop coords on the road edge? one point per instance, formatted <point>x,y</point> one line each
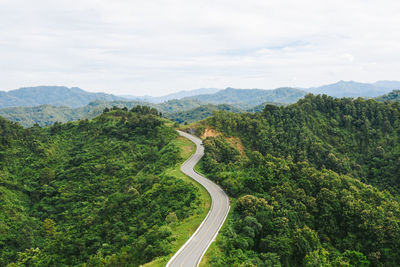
<point>205,219</point>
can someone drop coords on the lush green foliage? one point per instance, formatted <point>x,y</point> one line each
<point>392,96</point>
<point>301,189</point>
<point>175,105</point>
<point>355,137</point>
<point>91,191</point>
<point>45,115</point>
<point>183,110</point>
<point>200,113</point>
<point>260,107</point>
<point>63,104</point>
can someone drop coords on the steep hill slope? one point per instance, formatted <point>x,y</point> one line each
<point>355,137</point>
<point>95,192</point>
<point>311,183</point>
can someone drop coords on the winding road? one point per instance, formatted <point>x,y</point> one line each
<point>192,251</point>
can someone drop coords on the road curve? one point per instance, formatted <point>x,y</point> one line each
<point>192,251</point>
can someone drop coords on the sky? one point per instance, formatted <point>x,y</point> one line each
<point>155,47</point>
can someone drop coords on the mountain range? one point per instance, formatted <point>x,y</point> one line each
<point>178,95</point>
<point>356,89</point>
<point>283,95</point>
<point>45,115</point>
<point>245,98</point>
<point>54,95</point>
<point>45,105</point>
<point>248,98</point>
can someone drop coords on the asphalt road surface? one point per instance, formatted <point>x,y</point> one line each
<point>192,251</point>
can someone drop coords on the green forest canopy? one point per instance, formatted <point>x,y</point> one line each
<point>90,192</point>
<point>316,185</point>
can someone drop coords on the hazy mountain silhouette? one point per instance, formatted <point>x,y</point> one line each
<point>53,95</point>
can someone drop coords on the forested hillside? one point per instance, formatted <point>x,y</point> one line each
<point>349,136</point>
<point>260,107</point>
<point>315,183</point>
<point>46,115</point>
<point>200,113</point>
<point>92,191</point>
<point>248,98</point>
<point>392,96</point>
<point>46,105</point>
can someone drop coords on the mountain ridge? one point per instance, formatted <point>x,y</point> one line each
<point>54,95</point>
<point>28,105</point>
<point>355,89</point>
<point>247,98</point>
<point>177,95</point>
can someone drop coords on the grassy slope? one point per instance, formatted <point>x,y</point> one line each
<point>184,229</point>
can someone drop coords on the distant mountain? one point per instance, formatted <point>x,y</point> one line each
<point>176,105</point>
<point>355,89</point>
<point>247,98</point>
<point>43,115</point>
<point>47,104</point>
<point>54,95</point>
<point>393,96</point>
<point>178,95</point>
<point>200,113</point>
<point>47,114</point>
<point>388,84</point>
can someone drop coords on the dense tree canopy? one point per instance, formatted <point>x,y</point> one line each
<point>392,96</point>
<point>200,113</point>
<point>307,186</point>
<point>90,192</point>
<point>357,137</point>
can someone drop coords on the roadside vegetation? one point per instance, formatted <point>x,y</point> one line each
<point>182,230</point>
<point>317,184</point>
<point>95,192</point>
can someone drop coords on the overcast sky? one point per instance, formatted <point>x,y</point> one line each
<point>156,47</point>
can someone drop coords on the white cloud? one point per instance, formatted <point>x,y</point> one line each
<point>160,46</point>
<point>348,57</point>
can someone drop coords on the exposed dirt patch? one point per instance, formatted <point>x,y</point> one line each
<point>209,133</point>
<point>233,141</point>
<point>236,143</point>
